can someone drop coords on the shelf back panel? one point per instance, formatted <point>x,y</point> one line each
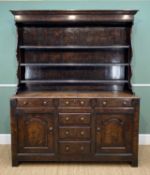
<point>102,56</point>
<point>79,73</point>
<point>74,36</point>
<point>75,87</point>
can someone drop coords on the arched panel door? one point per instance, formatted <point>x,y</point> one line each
<point>36,131</point>
<point>113,133</point>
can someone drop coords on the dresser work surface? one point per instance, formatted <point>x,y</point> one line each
<point>72,94</point>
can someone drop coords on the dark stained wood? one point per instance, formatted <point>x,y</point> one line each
<point>74,16</point>
<point>74,47</point>
<point>74,133</point>
<point>74,100</point>
<point>76,73</point>
<point>74,118</point>
<point>101,56</point>
<point>35,131</point>
<point>14,131</point>
<point>72,148</point>
<point>113,133</point>
<point>86,43</point>
<point>62,36</point>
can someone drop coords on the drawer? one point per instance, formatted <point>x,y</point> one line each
<point>67,102</point>
<point>74,147</point>
<point>114,102</point>
<point>74,118</point>
<point>30,102</point>
<point>74,133</point>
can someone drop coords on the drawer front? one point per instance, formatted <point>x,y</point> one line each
<point>74,132</point>
<point>114,102</point>
<point>67,102</point>
<point>74,148</point>
<point>74,118</point>
<point>34,102</point>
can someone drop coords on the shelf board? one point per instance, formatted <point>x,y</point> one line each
<point>73,64</point>
<point>74,47</point>
<point>75,81</point>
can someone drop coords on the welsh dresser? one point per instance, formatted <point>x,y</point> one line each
<point>74,101</point>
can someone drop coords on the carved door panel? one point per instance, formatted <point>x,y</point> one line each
<point>113,133</point>
<point>35,131</point>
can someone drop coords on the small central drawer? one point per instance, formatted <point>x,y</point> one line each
<point>74,132</point>
<point>74,147</point>
<point>34,102</point>
<point>74,118</point>
<point>70,102</point>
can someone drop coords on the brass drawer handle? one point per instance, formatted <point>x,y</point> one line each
<point>67,148</point>
<point>104,103</point>
<point>25,102</point>
<point>50,128</point>
<point>66,132</point>
<point>67,102</point>
<point>45,102</point>
<point>67,118</point>
<point>82,118</point>
<point>82,148</point>
<point>82,102</point>
<point>98,128</point>
<point>82,133</point>
<point>124,103</point>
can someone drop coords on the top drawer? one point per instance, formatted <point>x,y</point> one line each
<point>114,102</point>
<point>30,102</point>
<point>70,102</point>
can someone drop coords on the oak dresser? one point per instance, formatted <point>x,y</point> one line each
<point>74,101</point>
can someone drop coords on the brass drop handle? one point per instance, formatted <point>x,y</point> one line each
<point>45,102</point>
<point>82,102</point>
<point>67,102</point>
<point>50,128</point>
<point>25,103</point>
<point>82,118</point>
<point>82,148</point>
<point>66,132</point>
<point>67,148</point>
<point>67,118</point>
<point>98,128</point>
<point>124,102</point>
<point>104,103</point>
<point>82,133</point>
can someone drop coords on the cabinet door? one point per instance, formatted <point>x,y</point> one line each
<point>113,133</point>
<point>35,131</point>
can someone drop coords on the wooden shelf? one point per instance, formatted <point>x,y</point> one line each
<point>73,47</point>
<point>75,81</point>
<point>73,64</point>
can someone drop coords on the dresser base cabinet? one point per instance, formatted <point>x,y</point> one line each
<point>74,129</point>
